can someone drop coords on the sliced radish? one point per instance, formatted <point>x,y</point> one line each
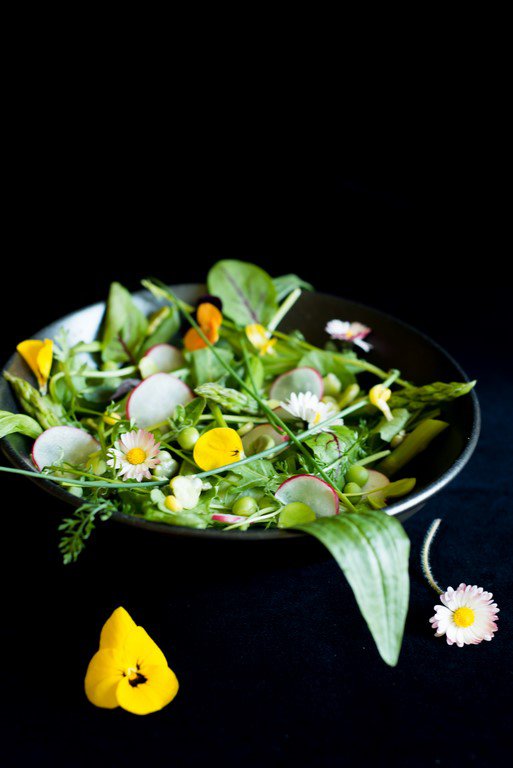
<point>312,491</point>
<point>154,400</point>
<point>63,444</point>
<point>161,358</point>
<point>297,380</point>
<point>384,489</point>
<point>262,431</point>
<point>228,519</point>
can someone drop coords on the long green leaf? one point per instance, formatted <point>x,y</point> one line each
<point>372,549</point>
<point>247,292</point>
<point>18,422</point>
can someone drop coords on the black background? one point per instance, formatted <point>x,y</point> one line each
<point>275,664</point>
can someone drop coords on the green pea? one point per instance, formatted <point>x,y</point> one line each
<point>350,488</point>
<point>358,475</point>
<point>245,506</point>
<point>332,384</point>
<point>188,438</point>
<point>295,513</point>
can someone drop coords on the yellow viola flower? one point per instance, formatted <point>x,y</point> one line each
<point>129,670</point>
<point>217,447</point>
<point>39,357</point>
<point>378,396</point>
<point>260,338</point>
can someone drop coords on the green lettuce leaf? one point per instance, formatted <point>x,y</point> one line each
<point>372,550</point>
<point>328,362</point>
<point>206,367</point>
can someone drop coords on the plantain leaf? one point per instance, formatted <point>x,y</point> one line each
<point>18,422</point>
<point>247,292</point>
<point>372,550</point>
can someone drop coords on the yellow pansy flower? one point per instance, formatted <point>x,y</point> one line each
<point>129,670</point>
<point>217,447</point>
<point>378,396</point>
<point>260,338</point>
<point>39,357</point>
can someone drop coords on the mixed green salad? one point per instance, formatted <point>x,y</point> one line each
<point>209,416</point>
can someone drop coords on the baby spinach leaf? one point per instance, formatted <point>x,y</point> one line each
<point>328,362</point>
<point>124,328</point>
<point>372,550</point>
<point>329,446</point>
<point>287,283</point>
<point>18,422</point>
<point>247,292</point>
<point>205,366</point>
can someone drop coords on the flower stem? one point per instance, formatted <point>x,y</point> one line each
<point>285,307</point>
<point>424,556</point>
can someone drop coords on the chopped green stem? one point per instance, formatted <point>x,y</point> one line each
<point>84,483</point>
<point>424,556</point>
<point>119,372</point>
<point>284,308</point>
<point>374,457</point>
<point>217,414</point>
<point>235,419</point>
<point>258,517</point>
<point>93,346</point>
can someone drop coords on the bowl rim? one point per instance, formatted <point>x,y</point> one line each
<point>397,509</point>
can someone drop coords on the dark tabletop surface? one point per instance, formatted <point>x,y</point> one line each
<point>275,664</point>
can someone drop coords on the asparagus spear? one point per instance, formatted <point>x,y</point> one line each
<point>413,444</point>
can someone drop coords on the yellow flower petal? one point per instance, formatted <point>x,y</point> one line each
<point>39,356</point>
<point>260,338</point>
<point>152,689</point>
<point>378,396</point>
<point>104,673</point>
<point>116,629</point>
<point>217,447</point>
<point>140,650</point>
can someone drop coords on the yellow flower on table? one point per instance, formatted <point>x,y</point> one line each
<point>39,357</point>
<point>218,447</point>
<point>129,670</point>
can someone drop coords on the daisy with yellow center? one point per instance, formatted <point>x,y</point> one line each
<point>467,616</point>
<point>379,395</point>
<point>308,407</point>
<point>39,357</point>
<point>134,455</point>
<point>129,670</point>
<point>261,339</point>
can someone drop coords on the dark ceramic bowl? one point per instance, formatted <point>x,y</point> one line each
<point>395,345</point>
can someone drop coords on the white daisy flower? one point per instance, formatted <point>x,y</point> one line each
<point>467,616</point>
<point>134,455</point>
<point>308,407</point>
<point>343,330</point>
